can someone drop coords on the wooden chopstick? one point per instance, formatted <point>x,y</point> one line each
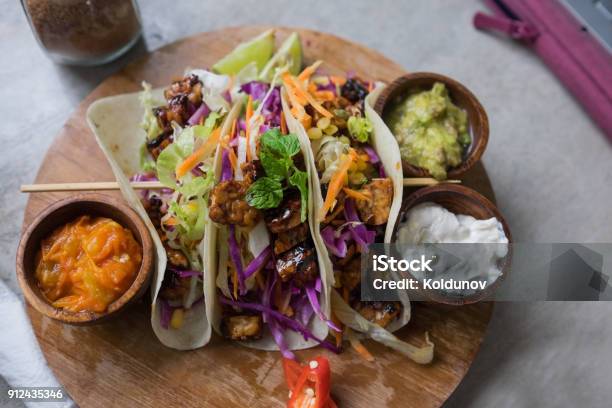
<point>426,181</point>
<point>93,186</point>
<point>156,185</point>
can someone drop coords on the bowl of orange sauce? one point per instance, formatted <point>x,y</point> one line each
<point>85,259</point>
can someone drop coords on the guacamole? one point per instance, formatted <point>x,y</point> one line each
<point>431,131</point>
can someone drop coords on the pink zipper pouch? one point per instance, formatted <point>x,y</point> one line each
<point>581,63</point>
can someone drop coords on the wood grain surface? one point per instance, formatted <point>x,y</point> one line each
<point>121,363</point>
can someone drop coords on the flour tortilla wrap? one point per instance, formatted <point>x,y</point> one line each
<point>115,122</point>
<point>387,150</point>
<point>218,246</point>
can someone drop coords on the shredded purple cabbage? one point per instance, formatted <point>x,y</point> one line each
<point>181,273</point>
<point>282,320</point>
<point>258,263</point>
<point>272,106</point>
<point>302,308</point>
<point>381,171</point>
<point>165,313</point>
<point>200,113</point>
<point>314,302</point>
<point>362,236</point>
<point>256,89</point>
<point>234,251</point>
<point>371,154</point>
<point>336,244</point>
<point>227,96</point>
<point>226,166</point>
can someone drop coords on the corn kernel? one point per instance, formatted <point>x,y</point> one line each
<point>323,123</point>
<point>331,129</point>
<point>315,133</point>
<point>177,318</point>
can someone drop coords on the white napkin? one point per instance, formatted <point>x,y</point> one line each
<point>21,361</point>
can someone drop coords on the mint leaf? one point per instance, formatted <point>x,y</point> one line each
<point>285,146</point>
<point>264,193</point>
<point>277,168</point>
<point>299,179</point>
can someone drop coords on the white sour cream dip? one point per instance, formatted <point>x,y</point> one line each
<point>431,223</point>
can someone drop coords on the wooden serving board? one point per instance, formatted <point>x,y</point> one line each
<point>121,363</point>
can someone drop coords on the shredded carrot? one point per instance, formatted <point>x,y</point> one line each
<point>290,84</point>
<point>232,158</point>
<point>308,71</point>
<point>337,335</point>
<point>296,106</point>
<point>357,195</point>
<point>235,282</point>
<point>337,182</point>
<point>192,160</point>
<point>360,348</point>
<point>302,93</point>
<point>233,131</point>
<point>312,87</point>
<point>306,121</point>
<point>249,115</point>
<point>337,80</point>
<point>324,95</point>
<point>283,124</point>
<point>170,221</point>
<point>370,86</point>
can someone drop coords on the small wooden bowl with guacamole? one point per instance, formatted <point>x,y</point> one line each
<point>84,259</point>
<point>440,126</point>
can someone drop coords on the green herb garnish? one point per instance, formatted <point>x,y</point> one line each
<point>359,128</point>
<point>276,156</point>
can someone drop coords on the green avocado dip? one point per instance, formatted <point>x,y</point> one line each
<point>431,131</point>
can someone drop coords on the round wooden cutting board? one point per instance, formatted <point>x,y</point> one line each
<point>121,363</point>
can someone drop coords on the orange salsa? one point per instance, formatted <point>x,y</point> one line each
<point>87,264</point>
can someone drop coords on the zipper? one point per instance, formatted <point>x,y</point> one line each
<point>509,24</point>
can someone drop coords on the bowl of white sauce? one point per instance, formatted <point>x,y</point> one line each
<point>455,219</point>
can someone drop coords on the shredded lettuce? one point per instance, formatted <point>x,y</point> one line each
<point>149,121</point>
<point>357,322</point>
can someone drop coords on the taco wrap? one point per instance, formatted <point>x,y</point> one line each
<point>148,136</point>
<point>355,164</point>
<point>270,282</point>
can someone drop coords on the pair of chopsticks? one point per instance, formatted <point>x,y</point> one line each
<point>156,185</point>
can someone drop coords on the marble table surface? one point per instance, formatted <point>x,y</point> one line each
<point>550,166</point>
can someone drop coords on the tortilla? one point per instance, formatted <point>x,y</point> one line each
<point>387,149</point>
<point>115,122</point>
<point>218,247</point>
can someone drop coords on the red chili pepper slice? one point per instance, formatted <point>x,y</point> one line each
<point>312,384</point>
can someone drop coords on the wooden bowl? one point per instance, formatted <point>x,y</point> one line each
<point>459,200</point>
<point>478,123</point>
<point>61,213</point>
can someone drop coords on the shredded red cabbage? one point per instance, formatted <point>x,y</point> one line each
<point>272,106</point>
<point>256,89</point>
<point>200,113</point>
<point>234,251</point>
<point>302,308</point>
<point>185,273</point>
<point>226,166</point>
<point>314,302</point>
<point>227,96</point>
<point>258,263</point>
<point>336,245</point>
<point>165,313</point>
<point>371,154</point>
<point>362,236</point>
<point>282,320</point>
<point>381,171</point>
